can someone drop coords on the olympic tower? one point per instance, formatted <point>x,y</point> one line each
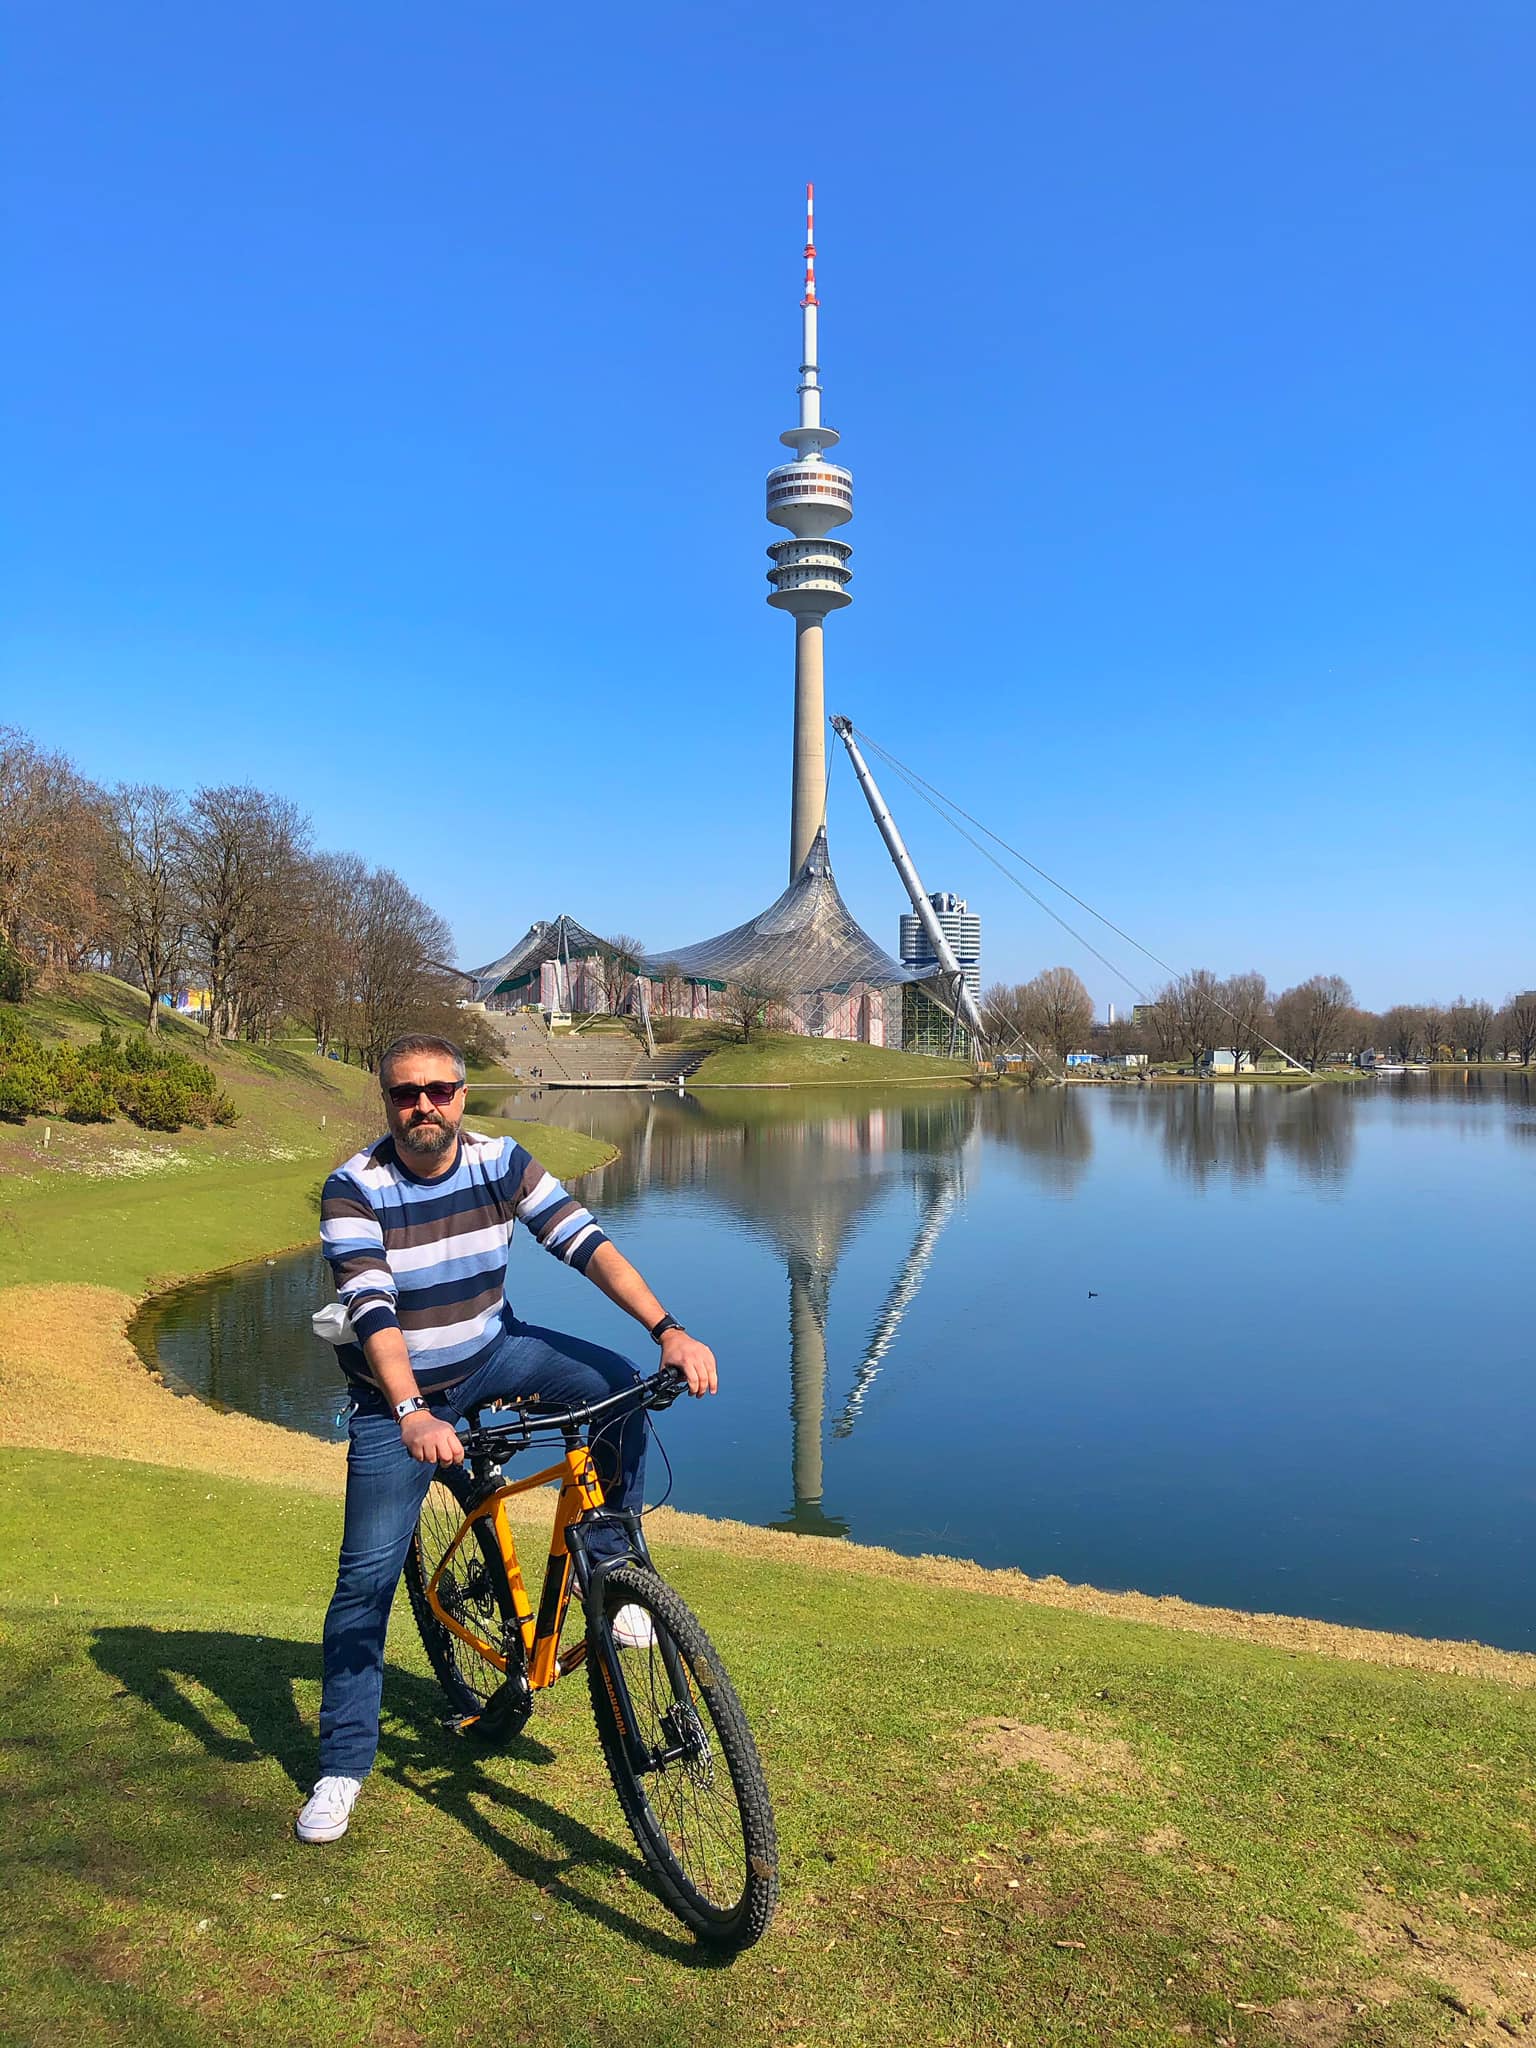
<point>810,572</point>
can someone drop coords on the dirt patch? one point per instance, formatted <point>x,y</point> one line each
<point>113,1959</point>
<point>1161,1842</point>
<point>1080,1838</point>
<point>1314,2022</point>
<point>1072,1760</point>
<point>1488,1984</point>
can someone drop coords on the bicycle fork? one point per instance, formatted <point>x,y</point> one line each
<point>680,1719</point>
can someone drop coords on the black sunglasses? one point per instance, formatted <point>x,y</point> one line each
<point>440,1093</point>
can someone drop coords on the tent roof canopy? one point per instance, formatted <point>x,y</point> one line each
<point>807,940</point>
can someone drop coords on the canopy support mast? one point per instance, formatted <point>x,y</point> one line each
<point>964,1002</point>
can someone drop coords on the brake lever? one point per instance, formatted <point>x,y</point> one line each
<point>670,1382</point>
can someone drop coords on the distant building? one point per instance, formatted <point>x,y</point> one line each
<point>1126,1059</point>
<point>189,1002</point>
<point>958,925</point>
<point>1225,1059</point>
<point>1085,1059</point>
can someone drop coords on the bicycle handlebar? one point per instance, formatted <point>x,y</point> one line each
<point>523,1425</point>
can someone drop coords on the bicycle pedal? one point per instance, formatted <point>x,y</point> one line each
<point>504,1715</point>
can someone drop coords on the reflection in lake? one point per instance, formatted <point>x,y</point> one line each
<point>1263,1346</point>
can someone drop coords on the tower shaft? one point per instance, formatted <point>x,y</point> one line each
<point>808,801</point>
<point>810,496</point>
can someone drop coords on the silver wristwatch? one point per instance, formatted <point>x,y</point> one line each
<point>404,1408</point>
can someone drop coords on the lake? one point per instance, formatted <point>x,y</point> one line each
<point>1265,1347</point>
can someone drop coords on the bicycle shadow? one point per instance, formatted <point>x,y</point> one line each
<point>252,1678</point>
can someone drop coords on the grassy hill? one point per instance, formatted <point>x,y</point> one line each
<point>129,1208</point>
<point>780,1057</point>
<point>999,1822</point>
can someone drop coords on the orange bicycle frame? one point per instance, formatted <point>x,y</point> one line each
<point>580,1490</point>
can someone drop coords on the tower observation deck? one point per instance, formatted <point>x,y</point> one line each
<point>810,572</point>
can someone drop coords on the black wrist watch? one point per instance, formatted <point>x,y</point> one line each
<point>659,1330</point>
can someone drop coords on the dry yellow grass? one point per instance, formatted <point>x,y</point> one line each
<point>71,1381</point>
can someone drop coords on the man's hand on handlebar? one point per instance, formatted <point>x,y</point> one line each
<point>695,1361</point>
<point>430,1440</point>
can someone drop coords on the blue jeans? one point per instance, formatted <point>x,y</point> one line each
<point>386,1487</point>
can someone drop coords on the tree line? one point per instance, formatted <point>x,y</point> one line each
<point>1314,1022</point>
<point>221,889</point>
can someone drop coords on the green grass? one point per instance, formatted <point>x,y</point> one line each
<point>160,1676</point>
<point>136,1209</point>
<point>780,1057</point>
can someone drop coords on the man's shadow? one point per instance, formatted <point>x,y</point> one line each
<point>253,1677</point>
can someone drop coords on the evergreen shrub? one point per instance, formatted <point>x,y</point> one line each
<point>157,1087</point>
<point>89,1102</point>
<point>20,1097</point>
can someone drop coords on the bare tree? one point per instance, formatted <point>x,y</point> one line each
<point>1198,996</point>
<point>145,887</point>
<point>1360,1030</point>
<point>1435,1027</point>
<point>1520,1010</point>
<point>1310,1017</point>
<point>1402,1030</point>
<point>398,939</point>
<point>53,857</point>
<point>1002,1011</point>
<point>617,965</point>
<point>750,1005</point>
<point>326,962</point>
<point>1245,1001</point>
<point>1057,1010</point>
<point>1160,1021</point>
<point>1122,1036</point>
<point>1469,1025</point>
<point>241,858</point>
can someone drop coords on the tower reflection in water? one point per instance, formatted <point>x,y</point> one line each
<point>802,1175</point>
<point>811,1273</point>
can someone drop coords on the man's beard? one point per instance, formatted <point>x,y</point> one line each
<point>428,1134</point>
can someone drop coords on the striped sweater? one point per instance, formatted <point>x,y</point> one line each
<point>429,1257</point>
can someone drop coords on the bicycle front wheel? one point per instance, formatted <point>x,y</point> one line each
<point>699,1806</point>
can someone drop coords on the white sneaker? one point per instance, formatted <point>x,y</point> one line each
<point>328,1810</point>
<point>633,1628</point>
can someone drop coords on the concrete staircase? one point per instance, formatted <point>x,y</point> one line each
<point>672,1063</point>
<point>594,1055</point>
<point>564,1055</point>
<point>524,1041</point>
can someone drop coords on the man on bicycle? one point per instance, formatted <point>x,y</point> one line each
<point>416,1230</point>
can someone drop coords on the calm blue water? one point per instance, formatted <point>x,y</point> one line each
<point>1266,1348</point>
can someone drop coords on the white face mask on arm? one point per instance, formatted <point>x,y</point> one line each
<point>332,1325</point>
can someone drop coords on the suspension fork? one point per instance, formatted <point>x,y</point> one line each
<point>592,1578</point>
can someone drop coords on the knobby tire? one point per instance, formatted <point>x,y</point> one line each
<point>703,1823</point>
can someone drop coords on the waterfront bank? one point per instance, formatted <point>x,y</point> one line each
<point>1005,1803</point>
<point>1005,1811</point>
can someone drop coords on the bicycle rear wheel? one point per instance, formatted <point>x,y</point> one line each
<point>475,1591</point>
<point>699,1809</point>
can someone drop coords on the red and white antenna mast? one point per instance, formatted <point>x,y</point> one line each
<point>810,574</point>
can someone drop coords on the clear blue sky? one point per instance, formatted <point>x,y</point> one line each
<point>389,389</point>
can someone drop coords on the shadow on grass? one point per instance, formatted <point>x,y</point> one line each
<point>253,1677</point>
